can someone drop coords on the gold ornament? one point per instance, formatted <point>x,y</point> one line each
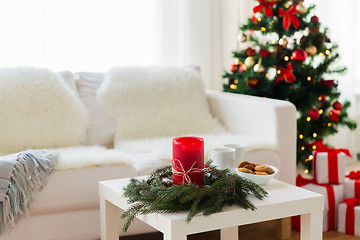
<point>311,50</point>
<point>249,62</point>
<point>259,68</point>
<point>301,9</point>
<point>283,42</point>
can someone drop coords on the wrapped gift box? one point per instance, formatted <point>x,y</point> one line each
<point>333,196</point>
<point>329,167</point>
<point>349,217</point>
<point>352,185</point>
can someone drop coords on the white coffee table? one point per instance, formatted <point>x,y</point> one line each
<point>283,200</point>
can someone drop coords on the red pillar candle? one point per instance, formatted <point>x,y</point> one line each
<point>188,160</point>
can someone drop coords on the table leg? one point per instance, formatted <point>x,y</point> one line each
<point>231,233</point>
<point>109,220</point>
<point>311,226</point>
<point>169,236</point>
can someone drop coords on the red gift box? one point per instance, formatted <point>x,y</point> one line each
<point>352,185</point>
<point>329,164</point>
<point>349,217</point>
<point>333,196</point>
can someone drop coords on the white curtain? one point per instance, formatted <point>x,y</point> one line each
<point>94,35</point>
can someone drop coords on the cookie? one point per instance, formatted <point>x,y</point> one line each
<point>250,166</point>
<point>242,164</point>
<point>260,173</point>
<point>245,170</point>
<point>264,168</point>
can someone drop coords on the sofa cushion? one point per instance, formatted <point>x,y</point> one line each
<point>156,101</point>
<point>162,146</point>
<point>101,127</point>
<point>38,110</point>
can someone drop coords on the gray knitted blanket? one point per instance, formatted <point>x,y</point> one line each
<point>21,175</point>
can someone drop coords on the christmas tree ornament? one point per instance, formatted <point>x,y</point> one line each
<point>266,6</point>
<point>337,105</point>
<point>299,55</point>
<point>259,68</point>
<point>271,73</point>
<point>318,40</point>
<point>334,115</point>
<point>250,51</point>
<point>301,9</point>
<point>249,62</point>
<point>264,53</point>
<point>253,19</point>
<point>283,42</point>
<point>242,37</point>
<point>234,67</point>
<point>289,17</point>
<point>327,83</point>
<point>314,19</point>
<point>252,82</point>
<point>311,50</point>
<point>303,39</point>
<point>314,29</point>
<point>286,74</point>
<point>314,114</point>
<point>243,68</point>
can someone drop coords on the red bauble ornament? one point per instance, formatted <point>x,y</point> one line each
<point>253,19</point>
<point>323,97</point>
<point>314,114</point>
<point>243,68</point>
<point>314,19</point>
<point>337,105</point>
<point>264,53</point>
<point>234,67</point>
<point>299,55</point>
<point>250,51</point>
<point>334,115</point>
<point>303,39</point>
<point>327,83</point>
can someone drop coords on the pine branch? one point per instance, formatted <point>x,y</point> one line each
<point>156,194</point>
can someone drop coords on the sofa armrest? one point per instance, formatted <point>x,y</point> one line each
<point>264,118</point>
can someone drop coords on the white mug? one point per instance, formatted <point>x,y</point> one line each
<point>239,152</point>
<point>223,158</point>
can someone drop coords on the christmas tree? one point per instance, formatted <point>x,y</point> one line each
<point>286,54</point>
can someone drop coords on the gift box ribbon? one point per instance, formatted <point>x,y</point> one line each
<point>332,160</point>
<point>350,214</point>
<point>356,177</point>
<point>300,181</point>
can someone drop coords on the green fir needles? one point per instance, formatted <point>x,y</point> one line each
<point>158,194</point>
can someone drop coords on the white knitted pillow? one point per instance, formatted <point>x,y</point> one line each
<point>156,101</point>
<point>38,110</point>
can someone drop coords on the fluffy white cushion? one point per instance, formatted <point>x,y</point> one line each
<point>101,127</point>
<point>156,101</point>
<point>86,156</point>
<point>38,110</point>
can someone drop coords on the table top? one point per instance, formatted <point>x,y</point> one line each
<point>283,200</point>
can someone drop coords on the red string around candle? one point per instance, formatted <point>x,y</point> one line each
<point>188,160</point>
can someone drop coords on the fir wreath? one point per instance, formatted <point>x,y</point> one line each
<point>158,194</point>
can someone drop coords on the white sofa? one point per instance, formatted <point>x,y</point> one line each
<point>68,206</point>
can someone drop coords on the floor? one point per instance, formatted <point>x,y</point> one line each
<point>259,231</point>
